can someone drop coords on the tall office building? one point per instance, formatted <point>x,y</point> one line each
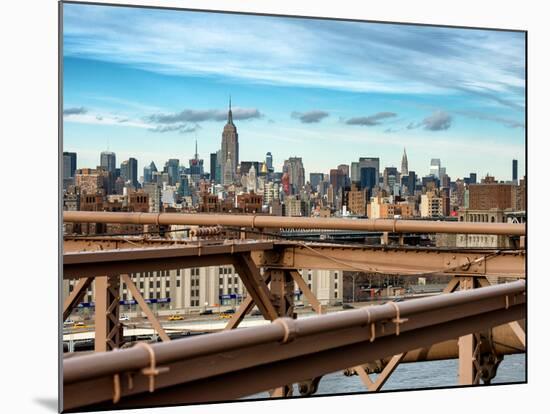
<point>435,165</point>
<point>228,171</point>
<point>404,164</point>
<point>337,179</point>
<point>172,168</point>
<point>344,168</point>
<point>128,171</point>
<point>368,179</point>
<point>183,188</point>
<point>315,179</point>
<point>230,144</point>
<point>355,174</point>
<point>148,171</point>
<point>296,173</point>
<point>269,161</point>
<point>411,182</point>
<point>391,177</point>
<point>213,167</point>
<point>108,161</point>
<point>515,171</point>
<point>473,178</point>
<point>196,166</point>
<point>69,164</point>
<point>370,162</point>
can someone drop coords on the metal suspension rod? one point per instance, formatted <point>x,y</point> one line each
<point>258,221</point>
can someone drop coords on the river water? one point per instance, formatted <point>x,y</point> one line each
<point>429,374</point>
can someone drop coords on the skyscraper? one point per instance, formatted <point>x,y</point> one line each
<point>390,177</point>
<point>296,173</point>
<point>368,179</point>
<point>128,171</point>
<point>269,161</point>
<point>515,171</point>
<point>337,179</point>
<point>172,168</point>
<point>411,182</point>
<point>196,165</point>
<point>108,161</point>
<point>404,164</point>
<point>69,164</point>
<point>230,144</point>
<point>148,171</point>
<point>315,179</point>
<point>435,165</point>
<point>213,167</point>
<point>372,162</point>
<point>355,175</point>
<point>228,171</point>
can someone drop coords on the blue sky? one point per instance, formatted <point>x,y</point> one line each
<point>146,83</point>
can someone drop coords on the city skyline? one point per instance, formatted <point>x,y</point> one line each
<point>150,103</point>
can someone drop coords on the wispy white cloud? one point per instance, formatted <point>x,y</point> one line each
<point>96,118</point>
<point>310,117</point>
<point>370,57</point>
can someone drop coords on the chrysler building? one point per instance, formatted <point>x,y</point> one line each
<point>404,164</point>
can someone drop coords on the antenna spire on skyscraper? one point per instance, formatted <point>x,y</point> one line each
<point>196,149</point>
<point>230,113</point>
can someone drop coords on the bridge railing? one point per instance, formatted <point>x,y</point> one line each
<point>261,222</point>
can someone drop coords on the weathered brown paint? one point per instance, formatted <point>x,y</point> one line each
<point>258,221</point>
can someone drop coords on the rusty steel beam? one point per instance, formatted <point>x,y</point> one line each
<point>313,301</point>
<point>236,363</point>
<point>76,296</point>
<point>376,385</point>
<point>259,221</point>
<point>502,338</point>
<point>107,326</point>
<point>519,331</point>
<point>136,294</point>
<point>394,260</point>
<point>116,262</point>
<point>402,261</point>
<point>94,243</point>
<point>255,285</point>
<point>244,308</point>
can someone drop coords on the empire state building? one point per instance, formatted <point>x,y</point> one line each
<point>230,144</point>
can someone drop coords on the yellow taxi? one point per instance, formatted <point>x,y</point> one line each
<point>175,317</point>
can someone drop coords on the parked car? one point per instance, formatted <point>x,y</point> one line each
<point>229,311</point>
<point>206,312</point>
<point>224,316</point>
<point>175,317</point>
<point>79,324</point>
<point>124,318</point>
<point>68,322</point>
<point>256,312</point>
<point>347,306</point>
